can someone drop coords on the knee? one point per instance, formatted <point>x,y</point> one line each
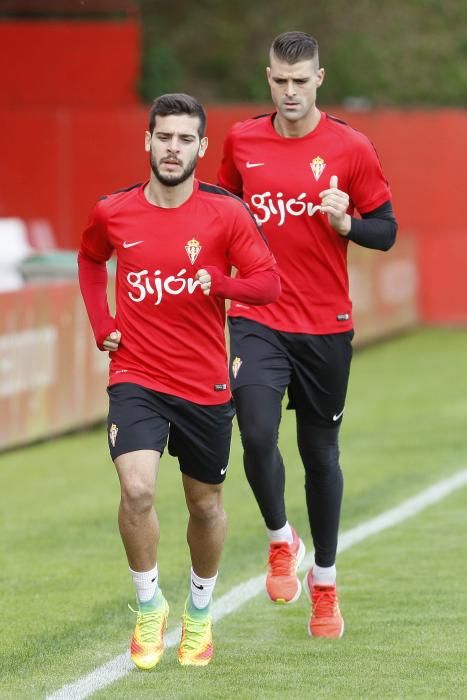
<point>137,496</point>
<point>206,508</point>
<point>258,438</point>
<point>322,460</point>
<point>319,450</point>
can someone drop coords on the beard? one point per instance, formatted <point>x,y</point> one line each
<point>170,180</point>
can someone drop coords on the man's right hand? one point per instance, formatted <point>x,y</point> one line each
<point>112,341</point>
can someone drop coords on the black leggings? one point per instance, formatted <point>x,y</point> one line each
<point>259,415</point>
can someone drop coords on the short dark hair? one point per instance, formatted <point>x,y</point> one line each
<point>292,47</point>
<point>177,103</point>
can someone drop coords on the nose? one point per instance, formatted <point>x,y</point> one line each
<point>172,145</point>
<point>290,92</point>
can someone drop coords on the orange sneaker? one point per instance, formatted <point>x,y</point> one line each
<point>282,584</point>
<point>326,619</point>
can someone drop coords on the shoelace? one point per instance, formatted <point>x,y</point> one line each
<point>194,631</point>
<point>149,623</point>
<point>324,601</point>
<point>281,560</point>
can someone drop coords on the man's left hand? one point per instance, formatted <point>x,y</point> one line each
<point>204,277</point>
<point>335,203</point>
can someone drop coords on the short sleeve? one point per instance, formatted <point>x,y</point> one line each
<point>228,175</point>
<point>368,187</point>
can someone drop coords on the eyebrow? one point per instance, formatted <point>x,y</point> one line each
<point>172,133</point>
<point>295,78</point>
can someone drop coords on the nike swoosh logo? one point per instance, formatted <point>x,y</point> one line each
<point>336,416</point>
<point>130,245</point>
<point>253,165</point>
<point>200,588</point>
<point>224,470</point>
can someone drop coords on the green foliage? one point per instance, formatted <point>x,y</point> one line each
<point>405,52</point>
<point>161,70</point>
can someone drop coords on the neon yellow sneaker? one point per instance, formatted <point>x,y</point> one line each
<point>147,642</point>
<point>196,647</point>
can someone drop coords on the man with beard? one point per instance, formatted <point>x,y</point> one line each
<point>176,240</point>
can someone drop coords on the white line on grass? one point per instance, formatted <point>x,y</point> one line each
<point>121,665</point>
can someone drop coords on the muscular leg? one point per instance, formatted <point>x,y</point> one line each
<point>137,519</point>
<point>259,414</point>
<point>206,525</point>
<point>319,450</point>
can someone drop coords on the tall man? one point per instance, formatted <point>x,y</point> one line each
<point>303,173</point>
<point>176,240</point>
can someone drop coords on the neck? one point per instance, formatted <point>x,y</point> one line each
<point>297,129</point>
<point>168,197</point>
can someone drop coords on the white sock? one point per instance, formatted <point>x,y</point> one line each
<point>146,583</point>
<point>201,590</point>
<point>284,534</point>
<point>324,575</point>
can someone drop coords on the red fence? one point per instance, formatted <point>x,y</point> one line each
<point>53,378</point>
<point>72,130</point>
<point>68,64</point>
<point>55,165</point>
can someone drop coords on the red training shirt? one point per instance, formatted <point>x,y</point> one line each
<point>280,180</point>
<point>172,334</point>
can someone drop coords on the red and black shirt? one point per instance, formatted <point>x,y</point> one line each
<point>280,179</point>
<point>172,334</point>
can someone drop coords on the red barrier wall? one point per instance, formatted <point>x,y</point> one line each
<point>72,130</point>
<point>53,378</point>
<point>60,63</point>
<point>55,164</point>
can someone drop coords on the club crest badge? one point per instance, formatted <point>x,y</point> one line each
<point>317,166</point>
<point>236,364</point>
<point>193,249</point>
<point>113,434</point>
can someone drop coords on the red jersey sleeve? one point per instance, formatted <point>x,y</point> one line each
<point>247,249</point>
<point>257,281</point>
<point>228,175</point>
<point>94,241</point>
<point>368,187</point>
<point>258,289</point>
<point>95,249</point>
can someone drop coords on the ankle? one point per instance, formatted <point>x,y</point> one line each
<point>283,534</point>
<point>324,575</point>
<point>152,604</point>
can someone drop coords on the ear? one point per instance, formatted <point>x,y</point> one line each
<point>147,141</point>
<point>320,73</point>
<point>203,144</point>
<point>268,74</point>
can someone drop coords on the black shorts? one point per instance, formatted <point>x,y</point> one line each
<point>314,368</point>
<point>143,419</point>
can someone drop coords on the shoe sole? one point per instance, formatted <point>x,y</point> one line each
<point>194,663</point>
<point>283,601</point>
<point>310,634</point>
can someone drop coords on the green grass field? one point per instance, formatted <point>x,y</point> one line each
<point>65,585</point>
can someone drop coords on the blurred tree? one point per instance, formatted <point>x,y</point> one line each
<point>405,52</point>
